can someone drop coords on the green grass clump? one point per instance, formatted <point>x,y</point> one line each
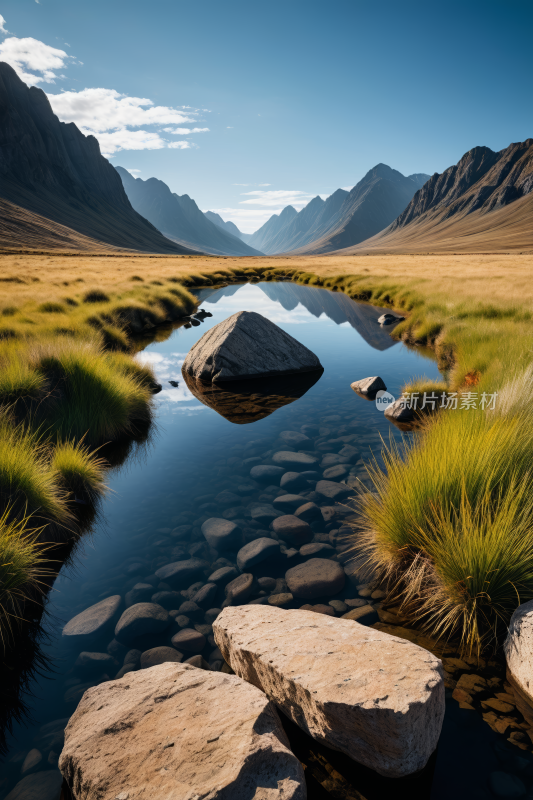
<point>21,569</point>
<point>51,308</point>
<point>95,296</point>
<point>79,471</point>
<point>449,527</point>
<point>100,399</point>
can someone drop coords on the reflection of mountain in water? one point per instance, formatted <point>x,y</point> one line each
<point>250,400</point>
<point>337,306</point>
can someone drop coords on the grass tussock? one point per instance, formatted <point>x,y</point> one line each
<point>449,527</point>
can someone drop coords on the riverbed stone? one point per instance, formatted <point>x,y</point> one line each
<point>264,513</point>
<point>223,575</point>
<point>214,736</point>
<point>298,440</point>
<point>240,589</point>
<point>204,597</point>
<point>368,386</point>
<point>160,655</point>
<point>298,462</point>
<point>140,619</point>
<point>227,499</point>
<point>317,577</point>
<point>332,490</point>
<point>319,608</point>
<point>44,785</point>
<point>189,640</point>
<point>180,574</point>
<point>314,548</point>
<point>296,481</point>
<point>292,529</point>
<point>266,473</point>
<point>309,512</point>
<point>222,534</point>
<point>94,621</point>
<point>518,649</point>
<point>364,615</point>
<point>94,663</point>
<point>336,472</point>
<point>257,551</point>
<point>288,502</point>
<point>140,593</point>
<point>197,661</point>
<point>167,599</point>
<point>377,698</point>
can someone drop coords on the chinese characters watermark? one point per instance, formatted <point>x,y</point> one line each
<point>433,400</point>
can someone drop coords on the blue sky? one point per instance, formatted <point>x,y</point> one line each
<point>299,97</point>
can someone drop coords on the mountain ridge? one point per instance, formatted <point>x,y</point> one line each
<point>179,218</point>
<point>52,170</point>
<point>485,201</point>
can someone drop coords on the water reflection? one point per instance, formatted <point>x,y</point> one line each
<point>295,298</point>
<point>242,402</point>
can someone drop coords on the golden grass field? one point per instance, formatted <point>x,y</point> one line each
<point>495,278</point>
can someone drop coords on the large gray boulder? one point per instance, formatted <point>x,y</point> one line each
<point>377,698</point>
<point>247,345</point>
<point>175,731</point>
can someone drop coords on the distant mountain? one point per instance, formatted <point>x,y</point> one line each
<point>230,227</point>
<point>484,202</point>
<point>344,218</point>
<point>55,173</point>
<point>263,237</point>
<point>179,218</point>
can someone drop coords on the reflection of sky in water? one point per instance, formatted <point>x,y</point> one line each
<point>251,298</point>
<point>168,368</point>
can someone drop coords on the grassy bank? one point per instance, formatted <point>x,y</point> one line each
<point>448,527</point>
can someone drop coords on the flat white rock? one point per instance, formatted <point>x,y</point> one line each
<point>175,731</point>
<point>247,345</point>
<point>375,697</point>
<point>518,648</point>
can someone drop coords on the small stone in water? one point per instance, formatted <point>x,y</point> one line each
<point>280,600</point>
<point>189,640</point>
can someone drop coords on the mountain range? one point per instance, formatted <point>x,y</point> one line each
<point>179,218</point>
<point>344,218</point>
<point>484,202</point>
<point>53,175</point>
<point>230,227</point>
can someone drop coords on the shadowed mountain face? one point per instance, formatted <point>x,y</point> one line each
<point>338,307</point>
<point>179,218</point>
<point>264,236</point>
<point>52,170</point>
<point>346,218</point>
<point>485,201</point>
<point>229,227</point>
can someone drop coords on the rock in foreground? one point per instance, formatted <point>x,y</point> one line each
<point>175,731</point>
<point>375,697</point>
<point>247,345</point>
<point>369,386</point>
<point>518,649</point>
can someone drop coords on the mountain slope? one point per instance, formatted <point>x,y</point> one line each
<point>229,226</point>
<point>179,218</point>
<point>369,207</point>
<point>316,217</point>
<point>484,202</point>
<point>51,169</point>
<point>263,237</point>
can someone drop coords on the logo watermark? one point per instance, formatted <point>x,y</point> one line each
<point>433,400</point>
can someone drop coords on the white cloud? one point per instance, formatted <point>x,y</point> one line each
<point>3,28</point>
<point>133,172</point>
<point>125,139</point>
<point>107,110</point>
<point>247,220</point>
<point>347,188</point>
<point>264,184</point>
<point>181,145</point>
<point>31,54</point>
<point>185,131</point>
<point>275,197</point>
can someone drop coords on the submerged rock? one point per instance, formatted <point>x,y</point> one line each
<point>182,732</point>
<point>247,345</point>
<point>375,697</point>
<point>38,786</point>
<point>317,577</point>
<point>94,621</point>
<point>140,619</point>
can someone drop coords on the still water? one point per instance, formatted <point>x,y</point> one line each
<point>175,481</point>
